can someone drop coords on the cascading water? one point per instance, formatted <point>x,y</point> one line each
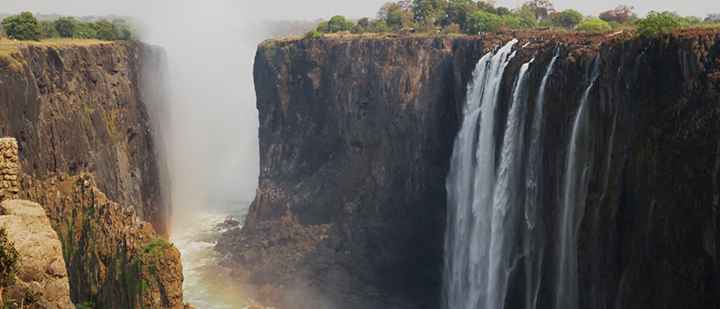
<point>533,240</point>
<point>470,186</point>
<point>577,174</point>
<point>495,205</point>
<point>482,197</point>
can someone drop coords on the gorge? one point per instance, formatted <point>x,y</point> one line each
<point>356,142</point>
<point>515,169</point>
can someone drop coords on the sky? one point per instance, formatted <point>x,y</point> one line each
<point>311,9</point>
<point>210,46</point>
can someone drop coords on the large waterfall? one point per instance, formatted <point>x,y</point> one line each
<point>496,234</point>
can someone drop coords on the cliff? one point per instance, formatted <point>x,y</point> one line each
<point>87,154</point>
<point>356,135</point>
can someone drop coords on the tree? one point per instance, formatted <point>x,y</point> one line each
<point>457,13</point>
<point>47,30</point>
<point>621,14</point>
<point>541,8</point>
<point>658,23</point>
<point>594,25</point>
<point>428,12</point>
<point>86,31</point>
<point>396,15</point>
<point>339,24</point>
<point>66,27</point>
<point>105,30</point>
<point>481,21</point>
<point>22,27</point>
<point>567,18</point>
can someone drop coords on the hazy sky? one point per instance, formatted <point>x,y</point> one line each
<point>315,8</point>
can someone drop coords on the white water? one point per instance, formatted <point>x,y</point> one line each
<point>577,174</point>
<point>206,285</point>
<point>533,242</point>
<point>469,279</point>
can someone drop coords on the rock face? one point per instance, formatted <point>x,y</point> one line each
<point>42,274</point>
<point>356,135</point>
<point>87,154</point>
<point>80,109</point>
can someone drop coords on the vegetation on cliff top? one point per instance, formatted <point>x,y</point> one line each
<point>473,17</point>
<point>26,26</point>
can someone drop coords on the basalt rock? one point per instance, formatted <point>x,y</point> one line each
<point>88,155</point>
<point>356,134</point>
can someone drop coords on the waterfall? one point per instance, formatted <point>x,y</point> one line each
<point>469,186</point>
<point>533,240</point>
<point>575,185</point>
<point>482,191</point>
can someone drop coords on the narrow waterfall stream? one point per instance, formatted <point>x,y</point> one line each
<point>577,175</point>
<point>496,235</point>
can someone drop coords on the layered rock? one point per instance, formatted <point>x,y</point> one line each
<point>355,140</point>
<point>9,169</point>
<point>42,279</point>
<point>88,155</point>
<point>80,108</point>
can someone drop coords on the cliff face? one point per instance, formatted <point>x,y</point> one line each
<point>80,108</point>
<point>88,155</point>
<point>355,141</point>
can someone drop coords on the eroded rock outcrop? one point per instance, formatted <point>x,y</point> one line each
<point>42,278</point>
<point>355,139</point>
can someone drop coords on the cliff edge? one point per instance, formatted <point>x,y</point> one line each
<point>356,135</point>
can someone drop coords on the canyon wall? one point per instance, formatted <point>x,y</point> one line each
<point>87,154</point>
<point>356,134</point>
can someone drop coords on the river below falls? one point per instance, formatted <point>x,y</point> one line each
<point>206,285</point>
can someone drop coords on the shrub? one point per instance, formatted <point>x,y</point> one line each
<point>594,25</point>
<point>66,27</point>
<point>22,27</point>
<point>566,19</point>
<point>86,31</point>
<point>314,34</point>
<point>481,21</point>
<point>658,23</point>
<point>8,260</point>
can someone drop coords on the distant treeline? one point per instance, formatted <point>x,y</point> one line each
<point>473,17</point>
<point>26,26</point>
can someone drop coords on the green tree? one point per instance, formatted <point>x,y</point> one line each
<point>541,8</point>
<point>339,24</point>
<point>566,19</point>
<point>86,30</point>
<point>457,12</point>
<point>22,27</point>
<point>47,30</point>
<point>66,27</point>
<point>123,30</point>
<point>657,23</point>
<point>594,25</point>
<point>396,15</point>
<point>428,12</point>
<point>105,30</point>
<point>482,21</point>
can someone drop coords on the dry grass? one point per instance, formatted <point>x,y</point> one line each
<point>8,48</point>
